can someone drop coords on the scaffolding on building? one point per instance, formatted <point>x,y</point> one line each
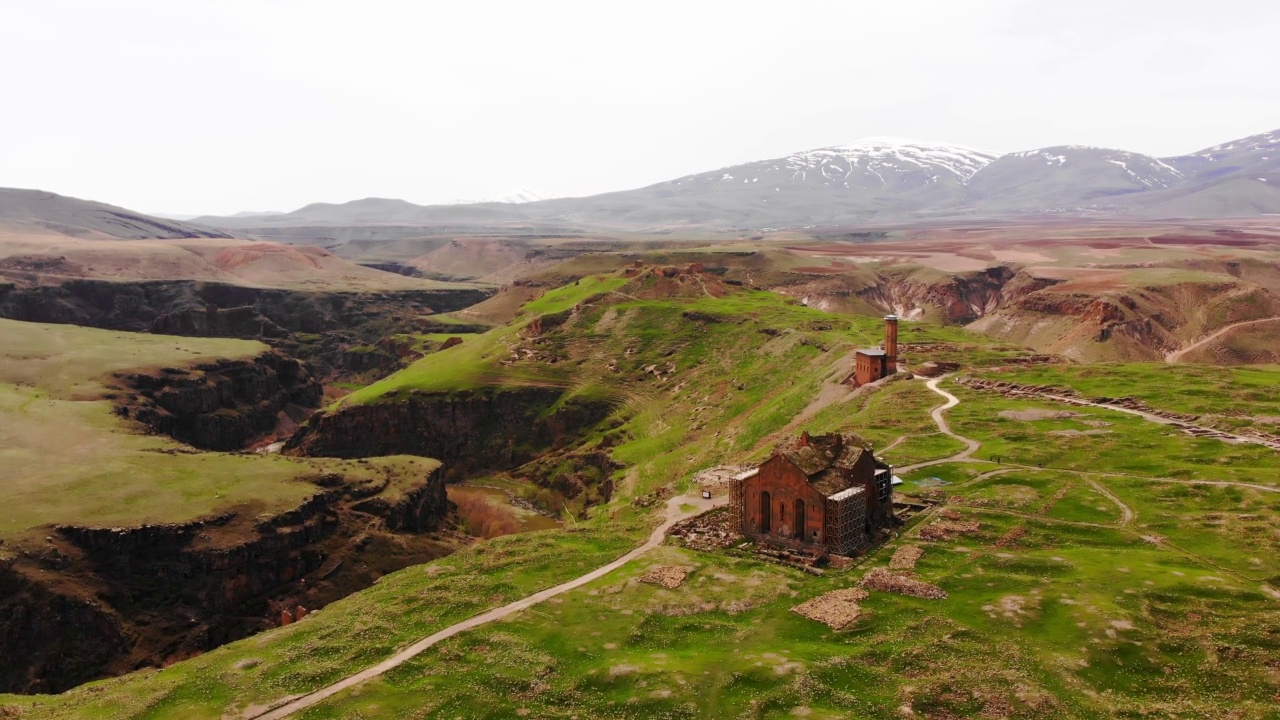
<point>737,498</point>
<point>846,520</point>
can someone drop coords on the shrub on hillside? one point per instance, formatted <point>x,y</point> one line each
<point>483,519</point>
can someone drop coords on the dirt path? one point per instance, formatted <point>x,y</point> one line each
<point>971,446</point>
<point>974,446</point>
<point>1176,355</point>
<point>673,516</point>
<point>901,439</point>
<point>1126,513</point>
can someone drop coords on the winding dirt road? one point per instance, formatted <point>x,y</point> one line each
<point>673,516</point>
<point>971,446</point>
<point>1176,355</point>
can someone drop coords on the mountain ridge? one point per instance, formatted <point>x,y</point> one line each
<point>875,179</point>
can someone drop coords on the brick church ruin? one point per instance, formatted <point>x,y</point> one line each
<point>821,492</point>
<point>871,364</point>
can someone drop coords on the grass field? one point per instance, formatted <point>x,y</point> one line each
<point>68,459</point>
<point>1123,444</point>
<point>1232,396</point>
<point>1100,583</point>
<point>1046,625</point>
<point>1058,607</point>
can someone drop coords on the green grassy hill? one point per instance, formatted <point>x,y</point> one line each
<point>69,459</point>
<point>1100,580</point>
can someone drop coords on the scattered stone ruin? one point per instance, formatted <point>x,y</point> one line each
<point>1182,421</point>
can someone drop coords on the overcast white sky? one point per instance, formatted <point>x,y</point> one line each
<point>186,107</point>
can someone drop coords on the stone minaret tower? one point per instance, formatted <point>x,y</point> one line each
<point>890,344</point>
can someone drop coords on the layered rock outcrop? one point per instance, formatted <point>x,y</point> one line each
<point>186,305</point>
<point>222,405</point>
<point>483,429</point>
<point>87,602</point>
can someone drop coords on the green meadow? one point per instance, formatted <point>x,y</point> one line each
<point>1102,581</point>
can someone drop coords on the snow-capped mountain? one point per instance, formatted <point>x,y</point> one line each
<point>878,154</point>
<point>1068,176</point>
<point>870,181</point>
<point>1254,155</point>
<point>871,163</point>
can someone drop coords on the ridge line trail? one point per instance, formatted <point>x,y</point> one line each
<point>972,446</point>
<point>673,516</point>
<point>1176,355</point>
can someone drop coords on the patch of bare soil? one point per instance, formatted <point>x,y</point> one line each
<point>668,576</point>
<point>899,584</point>
<point>1011,607</point>
<point>1034,414</point>
<point>837,609</point>
<point>905,557</point>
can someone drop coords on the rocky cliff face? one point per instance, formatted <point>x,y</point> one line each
<point>1120,320</point>
<point>953,299</point>
<point>315,326</point>
<point>184,306</point>
<point>484,429</point>
<point>88,602</point>
<point>222,405</point>
<point>1138,323</point>
<point>213,321</point>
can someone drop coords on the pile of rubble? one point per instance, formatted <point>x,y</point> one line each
<point>948,529</point>
<point>1010,538</point>
<point>713,530</point>
<point>837,609</point>
<point>802,560</point>
<point>884,581</point>
<point>1012,389</point>
<point>668,576</point>
<point>655,497</point>
<point>905,557</point>
<point>717,479</point>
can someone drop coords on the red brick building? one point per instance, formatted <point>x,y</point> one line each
<point>825,491</point>
<point>871,364</point>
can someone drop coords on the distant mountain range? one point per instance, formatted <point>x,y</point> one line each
<point>877,180</point>
<point>873,180</point>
